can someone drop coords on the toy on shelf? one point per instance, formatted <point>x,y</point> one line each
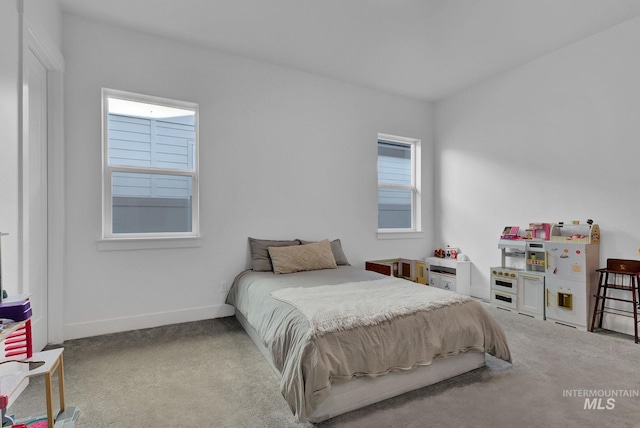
<point>16,309</point>
<point>510,232</point>
<point>540,230</point>
<point>577,233</point>
<point>447,253</point>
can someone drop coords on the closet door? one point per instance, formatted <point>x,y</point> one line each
<point>35,191</point>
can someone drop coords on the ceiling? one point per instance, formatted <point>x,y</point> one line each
<point>426,49</point>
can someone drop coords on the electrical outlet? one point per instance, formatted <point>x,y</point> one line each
<point>224,286</point>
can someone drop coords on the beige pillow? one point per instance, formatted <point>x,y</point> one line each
<point>336,248</point>
<point>297,258</point>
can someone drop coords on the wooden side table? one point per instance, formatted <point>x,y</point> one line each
<point>44,363</point>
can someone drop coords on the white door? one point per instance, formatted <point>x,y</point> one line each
<point>34,174</point>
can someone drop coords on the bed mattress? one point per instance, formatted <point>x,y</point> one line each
<point>310,365</point>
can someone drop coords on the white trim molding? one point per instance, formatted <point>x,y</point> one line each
<point>115,325</point>
<point>46,51</point>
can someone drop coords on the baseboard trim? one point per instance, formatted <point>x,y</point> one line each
<point>117,325</point>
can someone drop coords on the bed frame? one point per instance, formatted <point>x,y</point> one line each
<point>363,391</point>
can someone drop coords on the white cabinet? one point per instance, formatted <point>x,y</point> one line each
<point>450,274</point>
<point>567,303</point>
<point>531,295</point>
<point>444,281</point>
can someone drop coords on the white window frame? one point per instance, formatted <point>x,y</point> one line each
<point>108,170</point>
<point>415,231</point>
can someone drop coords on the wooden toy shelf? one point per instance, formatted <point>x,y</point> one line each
<point>533,262</point>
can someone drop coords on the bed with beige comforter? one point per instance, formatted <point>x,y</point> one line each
<point>334,325</point>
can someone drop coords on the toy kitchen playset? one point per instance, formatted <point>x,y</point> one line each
<point>548,271</point>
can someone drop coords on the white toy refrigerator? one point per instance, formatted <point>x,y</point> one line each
<point>571,280</point>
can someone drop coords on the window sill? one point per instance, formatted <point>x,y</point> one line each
<point>410,234</point>
<point>123,244</point>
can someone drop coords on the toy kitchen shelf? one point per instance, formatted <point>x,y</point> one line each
<point>450,274</point>
<point>549,272</point>
<point>575,233</point>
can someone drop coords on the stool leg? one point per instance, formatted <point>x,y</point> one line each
<point>634,288</point>
<point>595,303</point>
<point>603,298</point>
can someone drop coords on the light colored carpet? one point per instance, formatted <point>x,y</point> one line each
<point>209,374</point>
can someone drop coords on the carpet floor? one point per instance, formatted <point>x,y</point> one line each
<point>209,374</point>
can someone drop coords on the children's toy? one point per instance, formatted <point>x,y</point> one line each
<point>510,232</point>
<point>66,419</point>
<point>451,252</point>
<point>18,310</point>
<point>540,230</point>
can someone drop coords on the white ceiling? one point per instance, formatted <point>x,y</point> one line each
<point>426,49</point>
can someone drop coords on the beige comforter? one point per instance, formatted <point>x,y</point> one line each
<point>309,364</point>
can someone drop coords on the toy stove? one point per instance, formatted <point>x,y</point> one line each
<point>504,287</point>
<point>504,278</point>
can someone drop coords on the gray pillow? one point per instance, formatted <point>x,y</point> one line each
<point>260,260</point>
<point>336,248</point>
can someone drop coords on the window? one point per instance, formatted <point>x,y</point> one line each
<point>150,166</point>
<point>398,184</point>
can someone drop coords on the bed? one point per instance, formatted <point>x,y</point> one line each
<point>340,338</point>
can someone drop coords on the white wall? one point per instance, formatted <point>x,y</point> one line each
<point>554,140</point>
<point>43,19</point>
<point>283,154</point>
<point>9,85</point>
<point>46,17</point>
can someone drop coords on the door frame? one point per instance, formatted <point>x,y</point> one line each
<point>49,55</point>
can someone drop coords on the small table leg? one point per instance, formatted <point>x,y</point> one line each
<point>50,417</point>
<point>49,390</point>
<point>61,384</point>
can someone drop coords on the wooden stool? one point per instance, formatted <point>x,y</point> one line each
<point>619,274</point>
